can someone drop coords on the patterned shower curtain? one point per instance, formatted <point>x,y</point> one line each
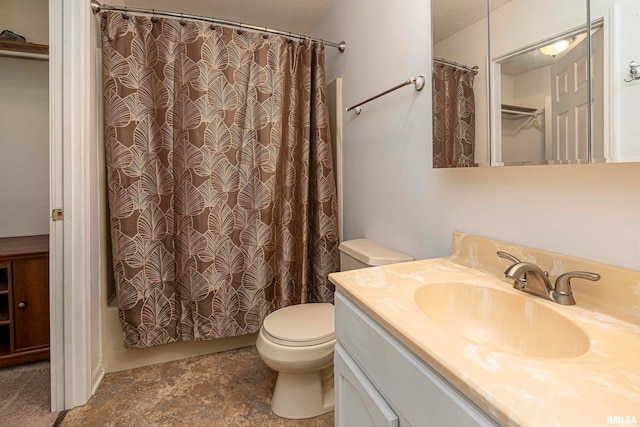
<point>454,117</point>
<point>221,190</point>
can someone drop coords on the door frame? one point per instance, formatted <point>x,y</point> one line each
<point>76,366</point>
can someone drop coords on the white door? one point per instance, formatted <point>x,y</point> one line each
<point>570,122</point>
<point>76,366</point>
<point>56,228</point>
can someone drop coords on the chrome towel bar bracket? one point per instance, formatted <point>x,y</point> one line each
<point>634,72</point>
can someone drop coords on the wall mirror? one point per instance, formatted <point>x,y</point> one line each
<point>528,106</point>
<point>539,83</point>
<point>542,54</point>
<point>460,114</point>
<point>540,102</point>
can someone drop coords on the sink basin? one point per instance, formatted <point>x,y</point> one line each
<point>502,320</point>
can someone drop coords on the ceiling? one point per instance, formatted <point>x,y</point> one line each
<point>301,16</point>
<point>450,16</point>
<point>534,59</point>
<point>296,16</point>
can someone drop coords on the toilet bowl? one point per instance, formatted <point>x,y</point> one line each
<point>297,341</point>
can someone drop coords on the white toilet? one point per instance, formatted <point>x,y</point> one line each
<point>297,341</point>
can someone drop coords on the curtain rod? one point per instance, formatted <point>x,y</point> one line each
<point>475,70</point>
<point>97,8</point>
<point>418,82</point>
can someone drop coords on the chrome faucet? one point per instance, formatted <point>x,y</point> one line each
<point>521,281</point>
<point>560,293</point>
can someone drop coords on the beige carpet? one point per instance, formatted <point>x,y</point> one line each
<point>25,396</point>
<point>232,388</point>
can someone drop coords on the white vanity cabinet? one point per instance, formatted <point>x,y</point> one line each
<point>379,382</point>
<point>358,403</point>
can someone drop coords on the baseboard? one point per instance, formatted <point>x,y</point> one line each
<point>97,376</point>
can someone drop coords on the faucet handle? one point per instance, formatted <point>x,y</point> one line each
<point>508,256</point>
<point>520,282</point>
<point>563,282</point>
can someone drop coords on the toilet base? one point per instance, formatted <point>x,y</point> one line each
<point>303,395</point>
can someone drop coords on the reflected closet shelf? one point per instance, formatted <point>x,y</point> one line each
<point>11,49</point>
<point>514,112</point>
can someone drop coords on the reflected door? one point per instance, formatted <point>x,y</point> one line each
<point>569,110</point>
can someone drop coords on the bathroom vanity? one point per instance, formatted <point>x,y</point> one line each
<point>449,341</point>
<point>378,379</point>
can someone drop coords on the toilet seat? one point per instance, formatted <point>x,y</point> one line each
<point>301,325</point>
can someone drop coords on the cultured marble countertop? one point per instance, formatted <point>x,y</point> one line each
<point>514,389</point>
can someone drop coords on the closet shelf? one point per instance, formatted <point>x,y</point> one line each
<point>39,52</point>
<point>515,112</point>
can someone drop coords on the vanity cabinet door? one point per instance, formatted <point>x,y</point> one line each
<point>359,404</point>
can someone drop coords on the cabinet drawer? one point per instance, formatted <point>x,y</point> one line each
<point>413,390</point>
<point>359,404</point>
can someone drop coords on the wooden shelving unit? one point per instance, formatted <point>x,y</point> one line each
<point>5,310</point>
<point>39,52</point>
<point>24,299</point>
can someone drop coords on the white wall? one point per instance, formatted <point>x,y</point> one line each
<point>24,126</point>
<point>532,87</point>
<point>522,143</point>
<point>393,195</point>
<point>29,18</point>
<point>527,89</point>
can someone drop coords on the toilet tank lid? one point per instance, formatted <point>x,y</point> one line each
<point>372,253</point>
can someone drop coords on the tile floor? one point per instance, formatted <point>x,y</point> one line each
<point>25,396</point>
<point>232,388</point>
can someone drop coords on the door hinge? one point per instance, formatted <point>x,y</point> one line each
<point>57,215</point>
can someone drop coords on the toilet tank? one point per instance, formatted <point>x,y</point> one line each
<point>363,253</point>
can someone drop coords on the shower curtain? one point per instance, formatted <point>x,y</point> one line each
<point>221,190</point>
<point>454,118</point>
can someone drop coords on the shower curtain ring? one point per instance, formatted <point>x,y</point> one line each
<point>125,14</point>
<point>183,21</point>
<point>154,18</point>
<point>265,35</point>
<point>240,30</point>
<point>289,39</point>
<point>213,24</point>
